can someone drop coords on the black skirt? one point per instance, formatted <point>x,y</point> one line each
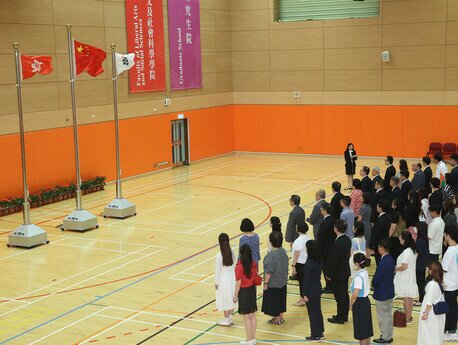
<point>247,300</point>
<point>362,319</point>
<point>350,169</point>
<point>274,301</point>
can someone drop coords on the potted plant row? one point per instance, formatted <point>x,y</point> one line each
<point>51,195</point>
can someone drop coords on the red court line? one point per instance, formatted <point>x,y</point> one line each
<point>155,269</point>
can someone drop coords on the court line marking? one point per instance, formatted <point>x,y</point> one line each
<point>93,248</point>
<point>21,252</point>
<point>126,286</point>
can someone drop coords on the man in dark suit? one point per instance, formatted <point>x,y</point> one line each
<point>396,192</point>
<point>379,195</point>
<point>339,272</point>
<point>389,173</point>
<point>315,217</point>
<point>335,201</point>
<point>418,180</point>
<point>436,197</point>
<point>326,238</point>
<point>296,216</point>
<point>383,284</point>
<point>366,183</point>
<point>406,185</point>
<point>428,173</point>
<point>376,177</point>
<point>454,173</point>
<point>381,228</point>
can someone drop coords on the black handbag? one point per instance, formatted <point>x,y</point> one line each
<point>441,308</point>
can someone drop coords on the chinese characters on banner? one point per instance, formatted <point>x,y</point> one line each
<point>184,40</point>
<point>145,38</point>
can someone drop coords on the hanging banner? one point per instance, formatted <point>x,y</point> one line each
<point>184,41</point>
<point>145,38</point>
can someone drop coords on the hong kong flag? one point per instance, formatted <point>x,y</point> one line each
<point>35,64</point>
<point>88,58</point>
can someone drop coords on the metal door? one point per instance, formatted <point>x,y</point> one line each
<point>180,142</point>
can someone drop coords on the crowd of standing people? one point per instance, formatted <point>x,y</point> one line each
<point>406,225</point>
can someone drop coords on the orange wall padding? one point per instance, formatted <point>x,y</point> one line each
<point>145,141</point>
<point>400,131</point>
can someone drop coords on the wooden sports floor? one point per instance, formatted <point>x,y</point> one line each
<point>149,279</point>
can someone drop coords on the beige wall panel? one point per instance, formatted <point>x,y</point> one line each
<point>114,14</point>
<point>9,124</point>
<point>224,5</point>
<point>207,41</point>
<point>251,97</point>
<point>250,61</point>
<point>223,41</point>
<point>223,61</point>
<point>208,62</point>
<point>414,34</point>
<point>207,4</point>
<point>86,13</point>
<point>352,80</point>
<point>250,20</point>
<point>93,36</point>
<point>61,68</point>
<point>452,55</point>
<point>210,83</point>
<point>354,58</point>
<point>207,19</point>
<point>123,92</point>
<point>452,79</point>
<point>353,36</point>
<point>224,81</point>
<point>306,98</point>
<point>413,97</point>
<point>353,22</point>
<point>26,12</point>
<point>416,57</point>
<point>194,92</point>
<point>414,79</point>
<point>251,81</point>
<point>296,39</point>
<point>118,36</point>
<point>416,11</point>
<point>243,5</point>
<point>223,20</point>
<point>33,39</point>
<point>307,24</point>
<point>352,97</point>
<point>296,80</point>
<point>300,60</point>
<point>452,11</point>
<point>451,97</point>
<point>250,40</point>
<point>35,97</point>
<point>452,32</point>
<point>88,93</point>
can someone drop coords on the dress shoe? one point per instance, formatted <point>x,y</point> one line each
<point>312,338</point>
<point>334,320</point>
<point>382,341</point>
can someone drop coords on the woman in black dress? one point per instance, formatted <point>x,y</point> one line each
<point>350,163</point>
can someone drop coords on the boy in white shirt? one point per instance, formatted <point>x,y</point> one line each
<point>435,232</point>
<point>450,266</point>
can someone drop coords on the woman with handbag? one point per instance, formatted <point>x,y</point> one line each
<point>246,277</point>
<point>275,280</point>
<point>432,314</point>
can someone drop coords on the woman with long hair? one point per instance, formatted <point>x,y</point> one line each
<point>430,325</point>
<point>402,166</point>
<point>245,292</point>
<point>225,280</point>
<point>413,209</point>
<point>405,279</point>
<point>350,163</point>
<point>359,302</point>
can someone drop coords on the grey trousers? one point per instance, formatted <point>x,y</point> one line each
<point>385,318</point>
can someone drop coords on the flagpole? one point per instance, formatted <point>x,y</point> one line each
<point>80,219</point>
<point>27,234</point>
<point>119,207</point>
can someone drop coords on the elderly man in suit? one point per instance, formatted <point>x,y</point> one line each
<point>296,216</point>
<point>383,284</point>
<point>418,180</point>
<point>326,238</point>
<point>376,177</point>
<point>339,272</point>
<point>366,182</point>
<point>316,217</point>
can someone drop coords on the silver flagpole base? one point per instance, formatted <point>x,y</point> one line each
<point>79,220</point>
<point>27,236</point>
<point>119,208</point>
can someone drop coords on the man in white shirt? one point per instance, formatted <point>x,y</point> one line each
<point>450,266</point>
<point>435,232</point>
<point>441,169</point>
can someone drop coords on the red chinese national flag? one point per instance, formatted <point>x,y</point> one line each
<point>35,64</point>
<point>88,58</point>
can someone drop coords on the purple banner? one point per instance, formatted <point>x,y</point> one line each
<point>184,42</point>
